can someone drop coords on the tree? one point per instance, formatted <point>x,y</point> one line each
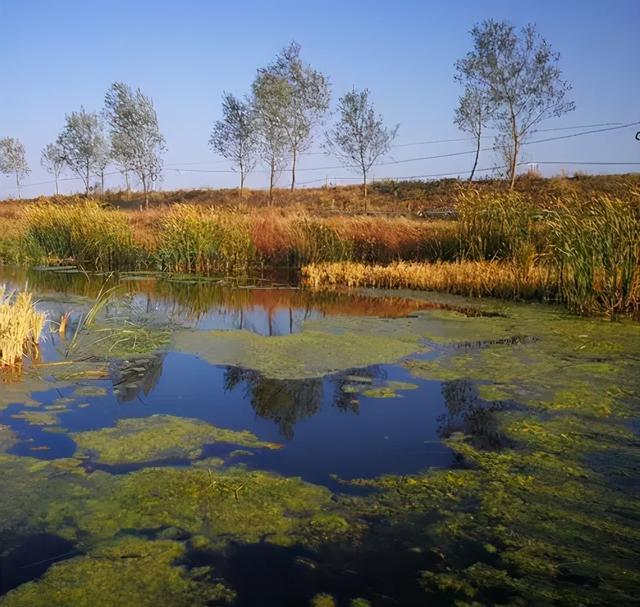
<point>52,161</point>
<point>305,104</point>
<point>270,103</point>
<point>471,116</point>
<point>360,137</point>
<point>234,137</point>
<point>82,144</point>
<point>136,141</point>
<point>519,74</point>
<point>13,160</point>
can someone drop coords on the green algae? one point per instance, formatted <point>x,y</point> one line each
<point>90,391</point>
<point>128,572</point>
<point>388,389</point>
<point>7,438</point>
<point>155,438</point>
<point>223,505</point>
<point>551,519</point>
<point>321,348</point>
<point>38,418</point>
<point>380,392</point>
<point>322,600</point>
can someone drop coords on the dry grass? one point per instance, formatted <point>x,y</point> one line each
<point>469,278</point>
<point>20,328</point>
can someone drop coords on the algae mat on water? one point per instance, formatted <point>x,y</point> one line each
<point>323,347</point>
<point>552,518</point>
<point>129,572</point>
<point>158,437</point>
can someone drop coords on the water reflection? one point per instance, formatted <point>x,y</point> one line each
<point>469,415</point>
<point>287,402</point>
<point>135,377</point>
<point>262,306</point>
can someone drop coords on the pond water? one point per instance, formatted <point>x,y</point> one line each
<point>208,442</point>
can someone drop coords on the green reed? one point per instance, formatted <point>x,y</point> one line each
<point>83,233</point>
<point>192,239</point>
<point>595,248</point>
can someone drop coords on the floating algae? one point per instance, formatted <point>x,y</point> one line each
<point>322,347</point>
<point>156,438</point>
<point>38,418</point>
<point>223,505</point>
<point>548,519</point>
<point>128,572</point>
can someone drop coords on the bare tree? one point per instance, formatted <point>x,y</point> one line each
<point>82,144</point>
<point>270,102</point>
<point>52,161</point>
<point>519,74</point>
<point>306,104</point>
<point>360,137</point>
<point>136,141</point>
<point>13,160</point>
<point>234,137</point>
<point>471,116</point>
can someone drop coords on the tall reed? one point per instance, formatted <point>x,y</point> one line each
<point>595,248</point>
<point>196,239</point>
<point>83,233</point>
<point>498,225</point>
<point>20,327</point>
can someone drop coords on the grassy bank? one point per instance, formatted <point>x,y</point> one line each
<point>583,252</point>
<point>385,197</point>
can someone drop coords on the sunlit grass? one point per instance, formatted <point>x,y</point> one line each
<point>469,278</point>
<point>20,327</point>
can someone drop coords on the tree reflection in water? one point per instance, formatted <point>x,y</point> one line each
<point>287,401</point>
<point>136,376</point>
<point>471,416</point>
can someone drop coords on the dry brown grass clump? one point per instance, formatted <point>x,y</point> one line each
<point>469,278</point>
<point>20,327</point>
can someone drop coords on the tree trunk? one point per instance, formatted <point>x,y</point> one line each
<point>514,151</point>
<point>57,185</point>
<point>126,181</point>
<point>293,169</point>
<point>514,163</point>
<point>475,162</point>
<point>146,192</point>
<point>271,179</point>
<point>241,180</point>
<point>364,187</point>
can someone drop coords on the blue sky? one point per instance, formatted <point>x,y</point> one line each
<point>58,55</point>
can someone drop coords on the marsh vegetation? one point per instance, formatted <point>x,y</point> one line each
<point>482,451</point>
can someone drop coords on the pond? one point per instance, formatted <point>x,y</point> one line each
<point>191,441</point>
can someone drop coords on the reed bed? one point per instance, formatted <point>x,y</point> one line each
<point>195,239</point>
<point>470,278</point>
<point>20,327</point>
<point>596,251</point>
<point>82,233</point>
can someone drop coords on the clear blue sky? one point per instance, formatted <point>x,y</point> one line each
<point>58,55</point>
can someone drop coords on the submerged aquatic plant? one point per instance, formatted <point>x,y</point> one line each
<point>20,327</point>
